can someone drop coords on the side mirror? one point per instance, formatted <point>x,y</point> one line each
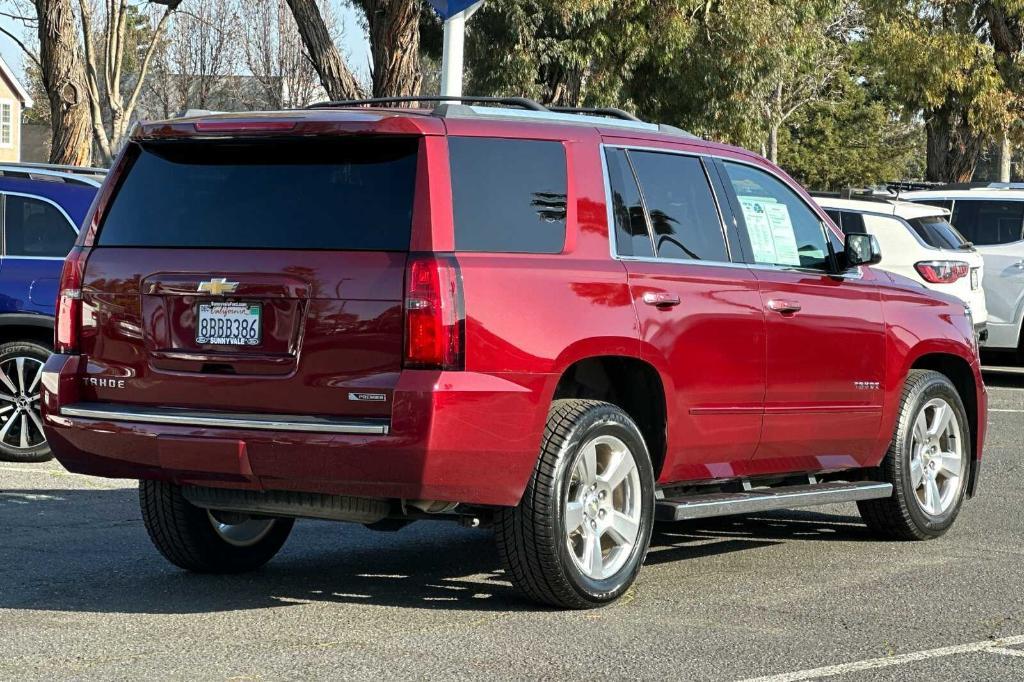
<point>861,249</point>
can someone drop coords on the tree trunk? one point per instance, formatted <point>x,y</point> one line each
<point>953,147</point>
<point>1005,157</point>
<point>773,142</point>
<point>395,46</point>
<point>64,81</point>
<point>334,74</point>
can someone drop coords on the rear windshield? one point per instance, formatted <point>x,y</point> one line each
<point>323,195</point>
<point>937,232</point>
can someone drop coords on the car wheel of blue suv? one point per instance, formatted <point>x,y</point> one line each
<point>21,425</point>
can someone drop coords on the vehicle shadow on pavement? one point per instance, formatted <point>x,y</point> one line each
<point>86,550</point>
<point>684,540</point>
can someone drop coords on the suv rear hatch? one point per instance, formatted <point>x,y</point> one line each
<point>252,275</point>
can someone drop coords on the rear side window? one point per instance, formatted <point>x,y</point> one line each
<point>631,235</point>
<point>936,231</point>
<point>322,195</point>
<point>509,196</point>
<point>680,205</point>
<point>36,229</point>
<point>989,222</point>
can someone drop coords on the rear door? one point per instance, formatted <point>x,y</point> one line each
<point>37,235</point>
<point>825,333</point>
<point>700,317</point>
<point>253,276</point>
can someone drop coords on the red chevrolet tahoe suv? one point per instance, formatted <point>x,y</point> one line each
<point>563,324</point>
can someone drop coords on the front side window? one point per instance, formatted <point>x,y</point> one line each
<point>681,207</point>
<point>987,222</point>
<point>509,196</point>
<point>35,228</point>
<point>782,229</point>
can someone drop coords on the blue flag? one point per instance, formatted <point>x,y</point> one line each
<point>447,8</point>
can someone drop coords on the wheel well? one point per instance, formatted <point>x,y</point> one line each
<point>958,371</point>
<point>628,383</point>
<point>20,332</point>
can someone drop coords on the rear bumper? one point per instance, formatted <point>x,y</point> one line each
<point>453,436</point>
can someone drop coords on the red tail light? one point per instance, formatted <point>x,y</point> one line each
<point>434,317</point>
<point>69,303</point>
<point>942,271</point>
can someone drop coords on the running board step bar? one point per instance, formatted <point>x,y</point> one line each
<point>765,499</point>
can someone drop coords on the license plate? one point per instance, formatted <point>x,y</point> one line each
<point>974,278</point>
<point>229,324</point>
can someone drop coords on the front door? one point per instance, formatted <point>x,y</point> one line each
<point>700,315</point>
<point>825,333</point>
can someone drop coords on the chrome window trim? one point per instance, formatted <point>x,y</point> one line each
<point>262,422</point>
<point>857,273</point>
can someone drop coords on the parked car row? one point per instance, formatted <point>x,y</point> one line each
<point>563,325</point>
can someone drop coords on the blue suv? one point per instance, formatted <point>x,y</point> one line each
<point>42,207</point>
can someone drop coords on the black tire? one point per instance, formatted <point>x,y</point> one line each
<point>185,534</point>
<point>532,541</point>
<point>902,516</point>
<point>10,451</point>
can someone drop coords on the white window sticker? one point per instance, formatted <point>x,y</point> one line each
<point>771,231</point>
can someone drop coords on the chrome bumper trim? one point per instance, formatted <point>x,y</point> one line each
<point>226,420</point>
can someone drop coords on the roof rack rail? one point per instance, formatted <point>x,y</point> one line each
<point>76,175</point>
<point>521,102</point>
<point>611,112</point>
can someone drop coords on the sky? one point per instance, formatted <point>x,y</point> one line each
<point>355,44</point>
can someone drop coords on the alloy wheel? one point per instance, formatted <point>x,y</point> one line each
<point>239,530</point>
<point>937,459</point>
<point>603,507</point>
<point>21,424</point>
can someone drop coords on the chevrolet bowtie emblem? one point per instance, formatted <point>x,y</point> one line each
<point>217,286</point>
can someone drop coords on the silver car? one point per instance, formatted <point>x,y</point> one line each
<point>992,217</point>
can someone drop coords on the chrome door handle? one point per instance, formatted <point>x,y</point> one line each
<point>1019,265</point>
<point>661,299</point>
<point>784,307</point>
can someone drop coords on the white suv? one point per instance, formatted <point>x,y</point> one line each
<point>992,217</point>
<point>918,242</point>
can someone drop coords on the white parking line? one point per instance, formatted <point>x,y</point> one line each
<point>993,645</point>
<point>1004,410</point>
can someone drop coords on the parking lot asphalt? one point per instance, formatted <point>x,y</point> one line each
<point>788,595</point>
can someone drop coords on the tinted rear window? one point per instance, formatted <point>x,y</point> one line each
<point>936,231</point>
<point>509,195</point>
<point>325,195</point>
